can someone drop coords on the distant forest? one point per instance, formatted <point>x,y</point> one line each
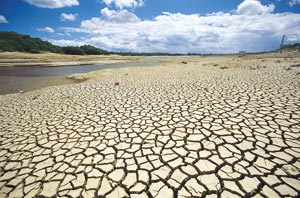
<point>12,41</point>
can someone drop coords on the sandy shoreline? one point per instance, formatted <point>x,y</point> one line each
<point>16,59</point>
<point>223,126</point>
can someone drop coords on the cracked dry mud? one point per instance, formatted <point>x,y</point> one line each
<point>169,131</point>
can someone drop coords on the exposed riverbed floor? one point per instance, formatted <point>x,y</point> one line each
<point>192,128</point>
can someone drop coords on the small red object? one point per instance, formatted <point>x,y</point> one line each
<point>117,83</point>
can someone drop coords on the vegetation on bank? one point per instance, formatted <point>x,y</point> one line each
<point>84,50</point>
<point>291,47</point>
<point>12,41</point>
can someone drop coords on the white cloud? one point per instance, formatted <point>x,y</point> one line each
<point>120,4</point>
<point>46,29</point>
<point>3,19</point>
<point>118,16</point>
<point>181,33</point>
<point>254,7</point>
<point>293,39</point>
<point>53,3</point>
<point>64,42</point>
<point>68,17</point>
<point>294,2</point>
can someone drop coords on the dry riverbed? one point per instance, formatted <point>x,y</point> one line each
<point>215,126</point>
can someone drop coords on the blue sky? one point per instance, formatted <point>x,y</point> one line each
<point>176,26</point>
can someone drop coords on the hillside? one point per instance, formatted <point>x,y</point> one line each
<point>14,42</point>
<point>291,47</point>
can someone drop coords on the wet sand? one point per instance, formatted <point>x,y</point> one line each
<point>9,85</point>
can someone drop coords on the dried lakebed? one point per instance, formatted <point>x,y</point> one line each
<point>168,131</point>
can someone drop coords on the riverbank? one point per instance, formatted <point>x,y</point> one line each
<point>13,59</point>
<point>18,59</point>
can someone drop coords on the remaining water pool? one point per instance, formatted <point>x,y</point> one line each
<point>62,70</point>
<point>16,79</point>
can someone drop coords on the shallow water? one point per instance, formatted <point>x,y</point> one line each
<point>16,79</point>
<point>62,70</point>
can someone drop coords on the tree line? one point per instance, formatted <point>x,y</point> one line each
<point>12,41</point>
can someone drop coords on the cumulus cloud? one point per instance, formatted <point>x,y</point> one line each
<point>294,2</point>
<point>118,16</point>
<point>64,42</point>
<point>68,17</point>
<point>46,29</point>
<point>186,33</point>
<point>3,19</point>
<point>293,39</point>
<point>53,3</point>
<point>254,7</point>
<point>120,4</point>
